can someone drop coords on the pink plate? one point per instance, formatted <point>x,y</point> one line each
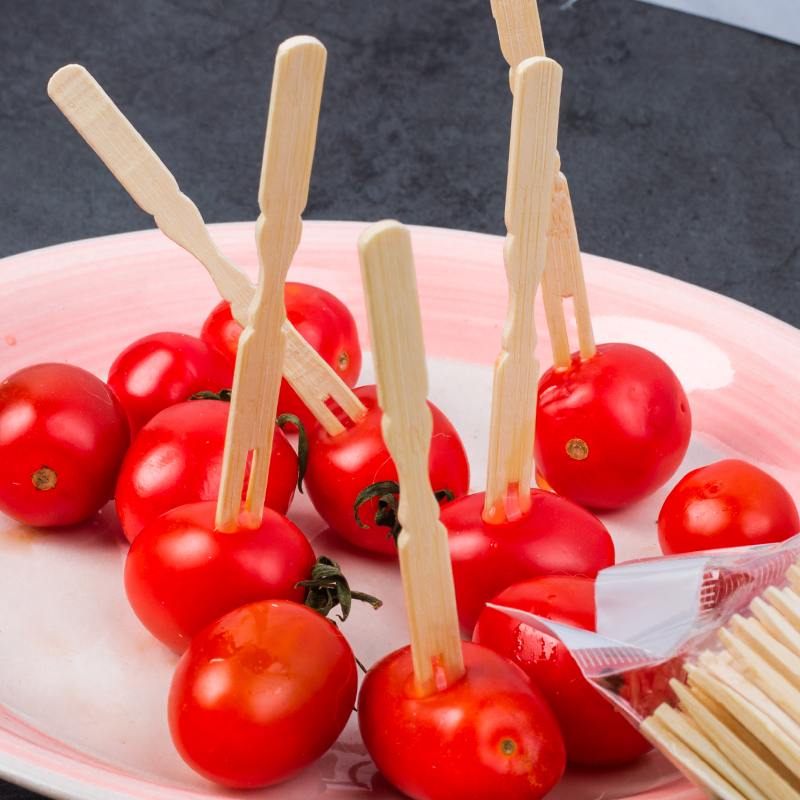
<point>83,686</point>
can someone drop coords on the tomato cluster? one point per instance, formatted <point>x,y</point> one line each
<point>242,606</point>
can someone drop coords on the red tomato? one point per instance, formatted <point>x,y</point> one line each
<point>490,734</point>
<point>63,435</point>
<point>727,504</point>
<point>162,369</point>
<point>320,318</point>
<point>181,574</point>
<point>612,429</point>
<point>177,459</point>
<point>261,694</point>
<point>594,731</point>
<point>555,536</point>
<point>339,467</point>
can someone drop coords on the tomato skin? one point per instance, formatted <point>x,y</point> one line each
<point>177,459</point>
<point>594,732</point>
<point>631,411</point>
<point>61,418</point>
<point>261,693</point>
<point>556,536</point>
<point>446,746</point>
<point>181,574</point>
<point>162,369</point>
<point>339,467</point>
<point>319,317</point>
<point>726,504</point>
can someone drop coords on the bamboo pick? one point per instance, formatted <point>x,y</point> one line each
<point>153,187</point>
<point>283,192</point>
<point>531,167</point>
<point>395,326</point>
<point>520,33</point>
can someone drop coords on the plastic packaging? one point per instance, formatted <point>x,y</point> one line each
<point>655,614</point>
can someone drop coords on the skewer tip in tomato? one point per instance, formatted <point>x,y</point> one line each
<point>63,435</point>
<point>162,369</point>
<point>612,429</point>
<point>726,504</point>
<point>181,574</point>
<point>177,459</point>
<point>261,693</point>
<point>489,734</point>
<point>340,467</point>
<point>556,536</point>
<point>595,733</point>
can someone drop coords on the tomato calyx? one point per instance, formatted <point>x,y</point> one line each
<point>44,478</point>
<point>387,493</point>
<point>302,445</point>
<point>224,395</point>
<point>329,588</point>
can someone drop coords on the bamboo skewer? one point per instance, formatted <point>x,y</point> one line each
<point>745,704</point>
<point>153,187</point>
<point>395,326</point>
<point>520,33</point>
<point>532,165</point>
<point>283,192</point>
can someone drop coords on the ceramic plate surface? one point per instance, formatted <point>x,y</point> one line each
<point>83,686</point>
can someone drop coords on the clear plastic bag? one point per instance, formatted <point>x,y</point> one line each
<point>655,614</point>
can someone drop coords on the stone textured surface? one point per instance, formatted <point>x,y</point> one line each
<point>680,137</point>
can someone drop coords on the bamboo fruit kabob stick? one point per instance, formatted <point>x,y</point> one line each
<point>533,162</point>
<point>282,196</point>
<point>520,33</point>
<point>395,328</point>
<point>736,731</point>
<point>153,187</point>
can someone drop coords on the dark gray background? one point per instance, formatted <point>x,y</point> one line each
<point>679,136</point>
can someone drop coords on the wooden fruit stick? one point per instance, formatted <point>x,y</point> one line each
<point>777,741</point>
<point>682,726</point>
<point>531,167</point>
<point>793,574</point>
<point>520,33</point>
<point>283,192</point>
<point>787,602</point>
<point>693,766</point>
<point>770,649</point>
<point>733,742</point>
<point>395,326</point>
<point>762,675</point>
<point>777,624</point>
<point>152,186</point>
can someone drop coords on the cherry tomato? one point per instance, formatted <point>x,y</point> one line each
<point>594,731</point>
<point>63,434</point>
<point>339,467</point>
<point>261,694</point>
<point>727,504</point>
<point>490,734</point>
<point>319,317</point>
<point>181,574</point>
<point>555,536</point>
<point>162,369</point>
<point>612,429</point>
<point>177,459</point>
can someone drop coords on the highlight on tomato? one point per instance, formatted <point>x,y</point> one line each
<point>595,733</point>
<point>162,369</point>
<point>63,435</point>
<point>612,429</point>
<point>319,317</point>
<point>341,467</point>
<point>729,503</point>
<point>261,693</point>
<point>181,574</point>
<point>489,734</point>
<point>177,459</point>
<point>557,536</point>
